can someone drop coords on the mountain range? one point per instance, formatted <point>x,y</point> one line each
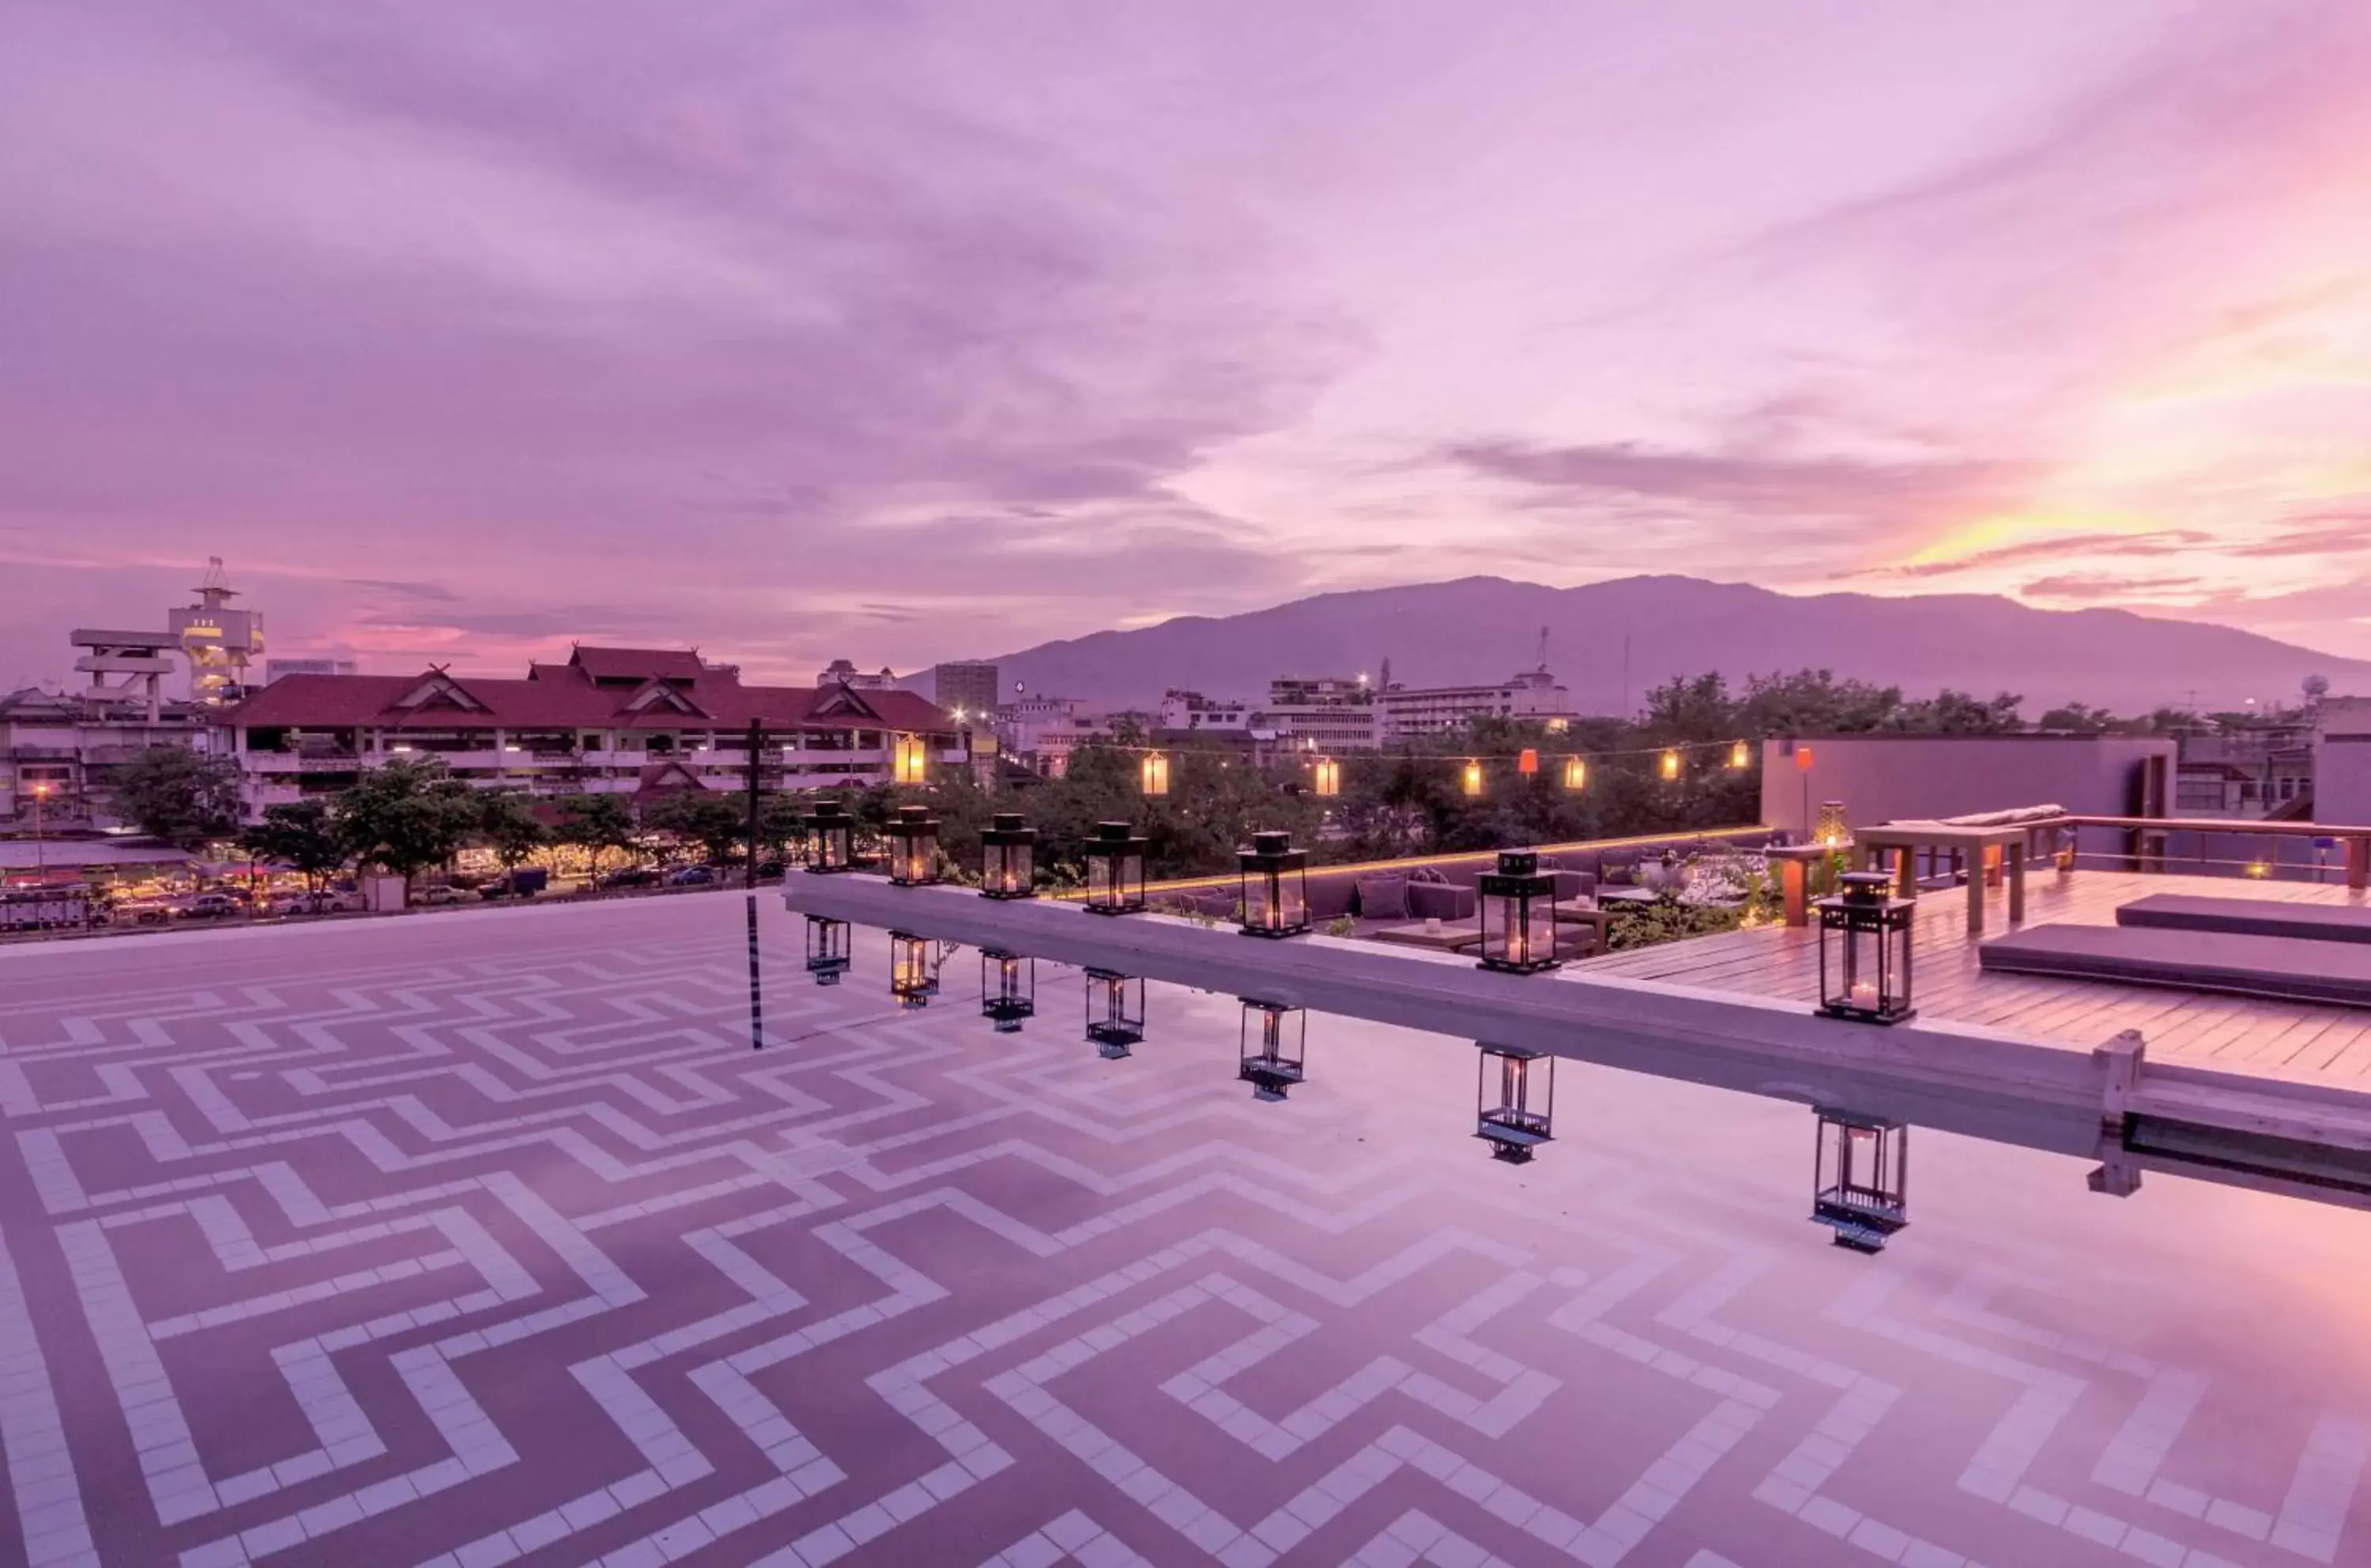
<point>1608,643</point>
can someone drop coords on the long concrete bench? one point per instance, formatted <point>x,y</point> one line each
<point>2194,961</point>
<point>2250,917</point>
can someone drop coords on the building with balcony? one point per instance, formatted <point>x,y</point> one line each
<point>65,747</point>
<point>608,720</point>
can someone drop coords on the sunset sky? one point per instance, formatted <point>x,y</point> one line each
<point>910,330</point>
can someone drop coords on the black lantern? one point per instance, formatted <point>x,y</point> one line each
<point>1114,858</point>
<point>1115,1013</point>
<point>913,970</point>
<point>1275,1048</point>
<point>831,838</point>
<point>1864,951</point>
<point>1860,1178</point>
<point>913,839</point>
<point>827,956</point>
<point>1008,858</point>
<point>1518,903</point>
<point>1274,886</point>
<point>1514,1100</point>
<point>1008,989</point>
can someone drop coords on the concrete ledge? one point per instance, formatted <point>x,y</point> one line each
<point>1980,1082</point>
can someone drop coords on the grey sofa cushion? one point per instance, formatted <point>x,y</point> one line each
<point>1439,901</point>
<point>1383,898</point>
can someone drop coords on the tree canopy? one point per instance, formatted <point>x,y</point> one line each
<point>181,796</point>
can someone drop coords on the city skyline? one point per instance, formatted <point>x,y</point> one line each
<point>932,334</point>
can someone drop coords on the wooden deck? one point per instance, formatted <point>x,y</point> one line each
<point>2289,1040</point>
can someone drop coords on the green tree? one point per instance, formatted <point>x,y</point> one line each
<point>507,821</point>
<point>181,796</point>
<point>302,836</point>
<point>2079,717</point>
<point>1950,712</point>
<point>407,815</point>
<point>595,823</point>
<point>717,822</point>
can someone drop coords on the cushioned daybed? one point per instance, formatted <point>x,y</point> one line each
<point>2193,960</point>
<point>2250,918</point>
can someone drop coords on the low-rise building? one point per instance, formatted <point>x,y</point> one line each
<point>64,748</point>
<point>608,720</point>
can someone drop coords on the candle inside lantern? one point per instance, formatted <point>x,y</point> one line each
<point>1864,995</point>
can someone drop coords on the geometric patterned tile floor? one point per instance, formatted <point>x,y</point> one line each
<point>484,1237</point>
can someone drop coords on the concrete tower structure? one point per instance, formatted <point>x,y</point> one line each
<point>219,641</point>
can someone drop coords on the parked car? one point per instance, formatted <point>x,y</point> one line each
<point>139,912</point>
<point>213,907</point>
<point>520,882</point>
<point>441,893</point>
<point>692,876</point>
<point>308,904</point>
<point>633,876</point>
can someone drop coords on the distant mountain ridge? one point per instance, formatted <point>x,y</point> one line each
<point>1485,628</point>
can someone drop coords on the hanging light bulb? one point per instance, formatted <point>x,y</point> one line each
<point>1671,764</point>
<point>1576,774</point>
<point>1738,755</point>
<point>1472,778</point>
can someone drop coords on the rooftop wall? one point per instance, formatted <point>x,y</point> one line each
<point>1902,777</point>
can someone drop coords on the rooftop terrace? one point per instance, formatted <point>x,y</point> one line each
<point>488,1235</point>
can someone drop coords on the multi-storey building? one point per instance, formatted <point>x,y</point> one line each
<point>966,690</point>
<point>608,720</point>
<point>64,749</point>
<point>1321,713</point>
<point>1530,694</point>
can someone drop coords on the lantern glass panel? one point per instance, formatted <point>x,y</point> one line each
<point>1518,905</point>
<point>1274,886</point>
<point>1514,1100</point>
<point>1865,947</point>
<point>827,949</point>
<point>1008,989</point>
<point>1275,1048</point>
<point>1115,860</point>
<point>1008,858</point>
<point>1115,1013</point>
<point>831,838</point>
<point>912,839</point>
<point>913,970</point>
<point>1860,1178</point>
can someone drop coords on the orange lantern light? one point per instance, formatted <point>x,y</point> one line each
<point>1156,772</point>
<point>1328,776</point>
<point>1671,764</point>
<point>1528,763</point>
<point>1472,778</point>
<point>1576,773</point>
<point>1804,758</point>
<point>913,760</point>
<point>1738,755</point>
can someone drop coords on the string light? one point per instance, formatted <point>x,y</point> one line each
<point>1738,755</point>
<point>1576,774</point>
<point>1527,762</point>
<point>1156,773</point>
<point>1472,778</point>
<point>1328,776</point>
<point>1670,766</point>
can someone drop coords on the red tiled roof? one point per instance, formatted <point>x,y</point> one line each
<point>563,697</point>
<point>638,663</point>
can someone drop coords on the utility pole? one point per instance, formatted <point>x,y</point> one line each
<point>757,1000</point>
